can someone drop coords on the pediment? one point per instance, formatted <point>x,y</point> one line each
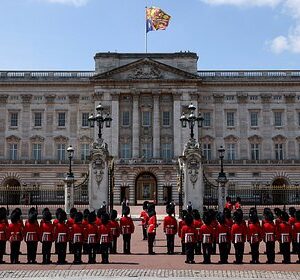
<point>145,69</point>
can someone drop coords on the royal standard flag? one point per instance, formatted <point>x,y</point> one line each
<point>156,19</point>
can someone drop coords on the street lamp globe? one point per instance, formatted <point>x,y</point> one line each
<point>70,151</point>
<point>221,151</point>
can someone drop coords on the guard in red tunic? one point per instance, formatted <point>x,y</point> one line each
<point>31,233</point>
<point>254,236</point>
<point>296,234</point>
<point>152,225</point>
<point>70,223</point>
<point>77,235</point>
<point>238,236</point>
<point>127,228</point>
<point>269,235</point>
<point>55,222</point>
<point>180,225</point>
<point>15,230</point>
<point>188,237</point>
<point>229,223</point>
<point>292,220</point>
<point>284,236</point>
<point>144,218</point>
<point>228,204</point>
<point>61,236</point>
<point>3,233</point>
<point>170,228</point>
<point>115,231</point>
<point>238,204</point>
<point>105,238</point>
<point>47,236</point>
<point>197,225</point>
<point>91,237</point>
<point>85,222</point>
<point>222,237</point>
<point>207,236</point>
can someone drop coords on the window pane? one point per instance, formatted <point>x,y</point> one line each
<point>126,150</point>
<point>14,119</point>
<point>166,118</point>
<point>206,119</point>
<point>254,119</point>
<point>146,118</point>
<point>147,150</point>
<point>61,119</point>
<point>279,151</point>
<point>85,151</point>
<point>37,151</point>
<point>61,151</point>
<point>38,119</point>
<point>13,151</point>
<point>125,118</point>
<point>278,118</point>
<point>85,119</point>
<point>255,151</point>
<point>230,118</point>
<point>207,151</point>
<point>231,152</point>
<point>166,151</point>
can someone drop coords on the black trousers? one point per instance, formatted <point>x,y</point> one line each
<point>207,249</point>
<point>46,251</point>
<point>239,252</point>
<point>151,238</point>
<point>223,250</point>
<point>2,250</point>
<point>104,252</point>
<point>270,250</point>
<point>31,251</point>
<point>189,251</point>
<point>182,248</point>
<point>198,248</point>
<point>286,252</point>
<point>92,252</point>
<point>15,251</point>
<point>170,243</point>
<point>77,251</point>
<point>71,247</point>
<point>61,248</point>
<point>126,243</point>
<point>214,248</point>
<point>145,235</point>
<point>298,250</point>
<point>255,252</point>
<point>114,243</point>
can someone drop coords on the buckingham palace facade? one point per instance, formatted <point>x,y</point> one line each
<point>255,115</point>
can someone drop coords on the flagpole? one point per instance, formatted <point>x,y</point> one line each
<point>146,33</point>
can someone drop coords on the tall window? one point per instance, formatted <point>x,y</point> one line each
<point>147,150</point>
<point>62,119</point>
<point>299,118</point>
<point>278,119</point>
<point>166,118</point>
<point>230,118</point>
<point>253,118</point>
<point>255,151</point>
<point>85,120</point>
<point>125,150</point>
<point>146,118</point>
<point>231,151</point>
<point>207,151</point>
<point>14,119</point>
<point>166,151</point>
<point>84,151</point>
<point>13,151</point>
<point>36,151</point>
<point>38,119</point>
<point>206,119</point>
<point>61,151</point>
<point>125,118</point>
<point>279,151</point>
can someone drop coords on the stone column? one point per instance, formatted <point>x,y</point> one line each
<point>3,112</point>
<point>156,127</point>
<point>50,126</point>
<point>69,193</point>
<point>115,125</point>
<point>291,125</point>
<point>135,127</point>
<point>25,125</point>
<point>219,118</point>
<point>266,126</point>
<point>177,124</point>
<point>242,124</point>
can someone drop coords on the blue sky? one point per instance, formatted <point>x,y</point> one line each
<point>226,34</point>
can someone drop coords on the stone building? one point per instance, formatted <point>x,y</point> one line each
<point>255,115</point>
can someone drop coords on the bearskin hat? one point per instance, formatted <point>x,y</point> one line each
<point>91,217</point>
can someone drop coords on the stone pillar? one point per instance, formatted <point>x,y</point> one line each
<point>98,176</point>
<point>267,127</point>
<point>156,127</point>
<point>242,124</point>
<point>222,193</point>
<point>135,127</point>
<point>50,126</point>
<point>177,124</point>
<point>3,112</point>
<point>193,186</point>
<point>69,193</point>
<point>115,125</point>
<point>25,125</point>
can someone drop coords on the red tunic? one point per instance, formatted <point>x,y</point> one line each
<point>180,226</point>
<point>70,223</point>
<point>197,225</point>
<point>15,232</point>
<point>255,233</point>
<point>127,226</point>
<point>104,234</point>
<point>229,222</point>
<point>269,231</point>
<point>47,232</point>
<point>144,217</point>
<point>237,205</point>
<point>207,233</point>
<point>3,230</point>
<point>188,234</point>
<point>229,206</point>
<point>77,233</point>
<point>296,232</point>
<point>61,232</point>
<point>31,231</point>
<point>91,235</point>
<point>292,221</point>
<point>152,224</point>
<point>238,232</point>
<point>114,228</point>
<point>284,232</point>
<point>222,233</point>
<point>98,222</point>
<point>170,225</point>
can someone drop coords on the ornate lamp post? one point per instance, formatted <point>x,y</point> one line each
<point>191,119</point>
<point>69,183</point>
<point>222,180</point>
<point>100,119</point>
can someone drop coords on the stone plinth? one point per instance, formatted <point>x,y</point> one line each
<point>69,193</point>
